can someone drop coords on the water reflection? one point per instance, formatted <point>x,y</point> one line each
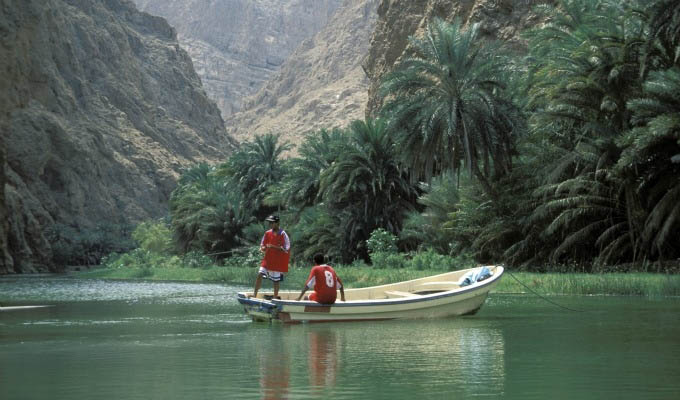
<point>298,360</point>
<point>322,358</point>
<point>465,354</point>
<point>275,364</point>
<point>482,357</point>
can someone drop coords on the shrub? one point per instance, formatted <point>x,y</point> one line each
<point>389,260</point>
<point>246,256</point>
<point>381,241</point>
<point>134,258</point>
<point>154,236</point>
<point>195,259</point>
<point>141,258</point>
<point>430,259</point>
<point>73,245</point>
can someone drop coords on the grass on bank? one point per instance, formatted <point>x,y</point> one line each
<point>198,268</point>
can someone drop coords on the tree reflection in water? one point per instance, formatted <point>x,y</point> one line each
<point>396,358</point>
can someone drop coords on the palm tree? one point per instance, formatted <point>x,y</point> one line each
<point>663,43</point>
<point>593,215</point>
<point>299,187</point>
<point>586,67</point>
<point>256,166</point>
<point>207,212</point>
<point>652,159</point>
<point>447,105</point>
<point>319,230</point>
<point>440,197</point>
<point>367,185</point>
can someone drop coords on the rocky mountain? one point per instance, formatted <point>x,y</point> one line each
<point>237,45</point>
<point>100,110</point>
<point>100,107</point>
<point>332,78</point>
<point>504,20</point>
<point>321,85</point>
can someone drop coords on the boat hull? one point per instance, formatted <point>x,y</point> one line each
<point>406,305</point>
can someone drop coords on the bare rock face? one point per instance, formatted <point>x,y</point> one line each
<point>398,19</point>
<point>6,261</point>
<point>321,85</point>
<point>237,45</point>
<point>101,109</point>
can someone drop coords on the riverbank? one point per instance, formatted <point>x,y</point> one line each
<point>627,284</point>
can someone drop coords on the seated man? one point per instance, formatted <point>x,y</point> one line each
<point>325,282</point>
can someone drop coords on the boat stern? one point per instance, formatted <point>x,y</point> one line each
<point>258,309</point>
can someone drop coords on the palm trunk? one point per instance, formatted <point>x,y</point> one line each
<point>486,185</point>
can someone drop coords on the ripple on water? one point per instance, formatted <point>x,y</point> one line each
<point>73,323</point>
<point>66,289</point>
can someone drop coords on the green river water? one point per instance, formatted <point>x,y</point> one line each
<point>140,340</point>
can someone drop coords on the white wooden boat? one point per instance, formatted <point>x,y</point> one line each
<point>431,297</point>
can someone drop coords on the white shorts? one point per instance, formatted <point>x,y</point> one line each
<point>274,276</point>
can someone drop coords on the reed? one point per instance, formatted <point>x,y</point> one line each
<point>628,284</point>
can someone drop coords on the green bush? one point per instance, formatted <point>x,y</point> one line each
<point>141,258</point>
<point>154,236</point>
<point>430,259</point>
<point>246,256</point>
<point>388,260</point>
<point>195,259</point>
<point>73,245</point>
<point>380,245</point>
<point>135,258</point>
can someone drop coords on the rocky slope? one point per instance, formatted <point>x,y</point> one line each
<point>237,45</point>
<point>321,85</point>
<point>101,109</point>
<point>398,19</point>
<point>333,78</point>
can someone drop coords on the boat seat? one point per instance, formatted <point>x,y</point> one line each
<point>444,285</point>
<point>397,293</point>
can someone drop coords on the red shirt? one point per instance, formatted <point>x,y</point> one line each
<point>275,259</point>
<point>325,283</point>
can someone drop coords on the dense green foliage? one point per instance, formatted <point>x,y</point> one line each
<point>256,166</point>
<point>447,106</point>
<point>87,246</point>
<point>208,212</point>
<point>604,134</point>
<point>566,157</point>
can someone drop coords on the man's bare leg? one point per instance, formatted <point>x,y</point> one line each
<point>258,283</point>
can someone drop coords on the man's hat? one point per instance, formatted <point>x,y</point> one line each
<point>272,218</point>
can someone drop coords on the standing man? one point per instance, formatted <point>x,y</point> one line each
<point>325,282</point>
<point>276,248</point>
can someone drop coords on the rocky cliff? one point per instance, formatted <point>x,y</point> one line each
<point>101,109</point>
<point>237,45</point>
<point>333,77</point>
<point>321,85</point>
<point>504,20</point>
